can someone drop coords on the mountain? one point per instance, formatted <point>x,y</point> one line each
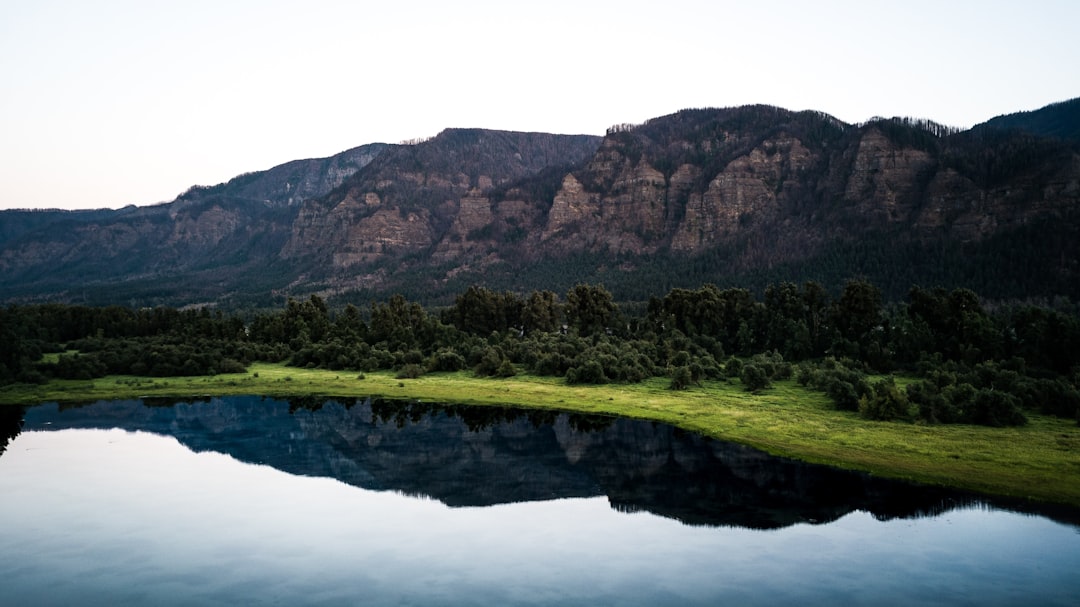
<point>290,183</point>
<point>745,196</point>
<point>1060,120</point>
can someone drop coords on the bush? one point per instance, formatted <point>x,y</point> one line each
<point>681,378</point>
<point>446,360</point>
<point>754,378</point>
<point>1054,396</point>
<point>589,372</point>
<point>231,365</point>
<point>410,371</point>
<point>932,405</point>
<point>491,362</point>
<point>843,384</point>
<point>884,402</point>
<point>733,367</point>
<point>506,369</point>
<point>996,408</point>
<point>552,363</point>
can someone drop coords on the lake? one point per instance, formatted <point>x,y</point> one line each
<point>256,501</point>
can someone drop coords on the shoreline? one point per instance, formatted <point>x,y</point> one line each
<point>1039,461</point>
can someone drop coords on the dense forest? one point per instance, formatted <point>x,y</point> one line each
<point>958,360</point>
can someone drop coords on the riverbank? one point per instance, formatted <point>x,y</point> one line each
<point>1039,461</point>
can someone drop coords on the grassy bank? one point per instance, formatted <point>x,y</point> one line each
<point>1039,461</point>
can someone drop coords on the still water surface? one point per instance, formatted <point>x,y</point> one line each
<point>255,501</point>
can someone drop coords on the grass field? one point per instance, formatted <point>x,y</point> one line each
<point>1039,461</point>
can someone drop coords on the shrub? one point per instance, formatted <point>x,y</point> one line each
<point>230,365</point>
<point>995,408</point>
<point>410,371</point>
<point>491,360</point>
<point>552,363</point>
<point>754,377</point>
<point>446,360</point>
<point>506,369</point>
<point>733,367</point>
<point>932,405</point>
<point>589,372</point>
<point>681,378</point>
<point>884,401</point>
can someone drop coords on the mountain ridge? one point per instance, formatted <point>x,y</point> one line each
<point>745,194</point>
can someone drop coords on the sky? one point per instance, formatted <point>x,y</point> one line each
<point>107,103</point>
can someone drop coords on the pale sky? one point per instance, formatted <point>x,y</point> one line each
<point>107,103</point>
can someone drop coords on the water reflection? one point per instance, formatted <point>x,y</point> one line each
<point>261,502</point>
<point>483,456</point>
<point>11,423</point>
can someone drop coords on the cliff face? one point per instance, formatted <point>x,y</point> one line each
<point>429,197</point>
<point>765,186</point>
<point>679,185</point>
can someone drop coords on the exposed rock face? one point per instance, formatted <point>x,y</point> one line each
<point>885,180</point>
<point>204,229</point>
<point>750,188</point>
<point>466,235</point>
<point>443,207</point>
<point>574,218</point>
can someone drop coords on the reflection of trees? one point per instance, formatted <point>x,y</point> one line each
<point>11,423</point>
<point>315,402</point>
<point>478,419</point>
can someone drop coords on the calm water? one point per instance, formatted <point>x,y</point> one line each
<point>255,501</point>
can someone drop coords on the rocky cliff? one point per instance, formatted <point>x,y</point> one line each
<point>710,195</point>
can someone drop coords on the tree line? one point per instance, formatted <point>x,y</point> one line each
<point>959,361</point>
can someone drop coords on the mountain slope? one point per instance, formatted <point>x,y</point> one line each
<point>188,250</point>
<point>1059,120</point>
<point>743,196</point>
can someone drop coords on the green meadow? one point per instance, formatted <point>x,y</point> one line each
<point>1038,461</point>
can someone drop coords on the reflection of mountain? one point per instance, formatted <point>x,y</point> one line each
<point>482,456</point>
<point>11,421</point>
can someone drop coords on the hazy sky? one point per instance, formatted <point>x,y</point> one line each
<point>106,103</point>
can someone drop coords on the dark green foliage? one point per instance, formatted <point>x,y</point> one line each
<point>446,360</point>
<point>481,311</point>
<point>840,380</point>
<point>410,371</point>
<point>884,401</point>
<point>681,378</point>
<point>493,362</point>
<point>78,367</point>
<point>857,316</point>
<point>754,377</point>
<point>975,363</point>
<point>506,369</point>
<point>995,408</point>
<point>970,398</point>
<point>588,372</point>
<point>1058,120</point>
<point>590,310</point>
<point>1055,396</point>
<point>541,312</point>
<point>733,367</point>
